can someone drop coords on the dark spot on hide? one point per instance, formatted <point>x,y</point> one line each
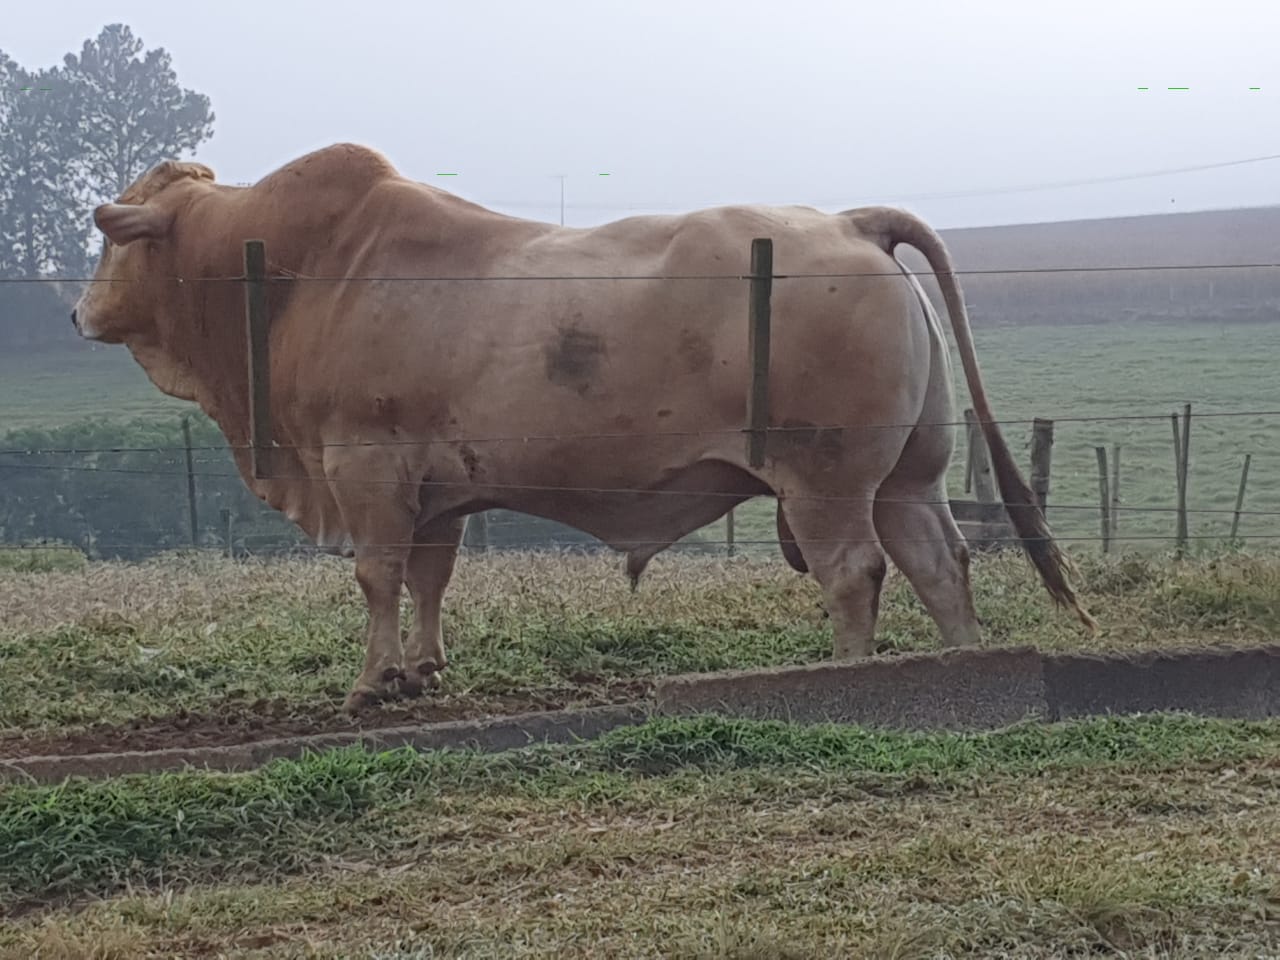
<point>623,422</point>
<point>827,443</point>
<point>663,414</point>
<point>385,407</point>
<point>573,359</point>
<point>831,289</point>
<point>470,460</point>
<point>695,352</point>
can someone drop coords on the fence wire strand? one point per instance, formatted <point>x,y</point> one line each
<point>621,545</point>
<point>291,276</point>
<point>606,491</point>
<point>633,436</point>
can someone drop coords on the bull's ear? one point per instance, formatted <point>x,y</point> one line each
<point>124,223</point>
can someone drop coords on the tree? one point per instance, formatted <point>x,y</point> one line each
<point>131,113</point>
<point>72,137</point>
<point>41,227</point>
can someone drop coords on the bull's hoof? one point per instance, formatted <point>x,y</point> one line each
<point>418,680</point>
<point>365,697</point>
<point>361,701</point>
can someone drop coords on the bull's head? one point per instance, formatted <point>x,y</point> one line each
<point>134,282</point>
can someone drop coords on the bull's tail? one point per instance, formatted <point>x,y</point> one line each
<point>889,227</point>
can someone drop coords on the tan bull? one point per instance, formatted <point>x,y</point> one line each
<point>614,403</point>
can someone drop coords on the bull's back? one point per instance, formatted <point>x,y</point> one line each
<point>639,324</point>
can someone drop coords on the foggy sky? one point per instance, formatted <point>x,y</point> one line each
<point>693,103</point>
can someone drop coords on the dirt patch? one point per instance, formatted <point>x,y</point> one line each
<point>269,719</point>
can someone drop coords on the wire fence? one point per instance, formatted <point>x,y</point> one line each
<point>157,522</point>
<point>78,476</point>
<point>629,436</point>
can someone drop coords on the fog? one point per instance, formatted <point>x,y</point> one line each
<point>968,114</point>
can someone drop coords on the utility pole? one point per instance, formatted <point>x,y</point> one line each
<point>561,176</point>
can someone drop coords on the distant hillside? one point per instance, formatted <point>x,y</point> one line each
<point>1216,238</point>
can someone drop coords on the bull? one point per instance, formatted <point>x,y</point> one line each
<point>431,358</point>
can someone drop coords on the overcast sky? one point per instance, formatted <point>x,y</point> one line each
<point>697,102</point>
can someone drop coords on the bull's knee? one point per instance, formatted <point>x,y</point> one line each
<point>379,577</point>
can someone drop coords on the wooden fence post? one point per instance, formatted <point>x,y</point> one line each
<point>983,481</point>
<point>1115,492</point>
<point>1244,478</point>
<point>1104,498</point>
<point>258,328</point>
<point>758,348</point>
<point>729,538</point>
<point>191,484</point>
<point>226,523</point>
<point>1041,461</point>
<point>1182,447</point>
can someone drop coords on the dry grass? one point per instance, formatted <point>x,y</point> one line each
<point>779,864</point>
<point>115,642</point>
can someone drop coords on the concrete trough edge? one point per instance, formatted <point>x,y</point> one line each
<point>493,734</point>
<point>987,689</point>
<point>959,689</point>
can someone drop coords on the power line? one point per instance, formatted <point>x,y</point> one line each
<point>942,195</point>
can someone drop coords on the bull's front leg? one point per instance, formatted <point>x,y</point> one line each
<point>427,574</point>
<point>379,571</point>
<point>379,508</point>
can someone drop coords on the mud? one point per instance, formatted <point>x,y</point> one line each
<point>235,724</point>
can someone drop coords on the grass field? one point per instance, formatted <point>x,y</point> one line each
<point>181,649</point>
<point>1121,369</point>
<point>52,388</point>
<point>707,838</point>
<point>701,838</point>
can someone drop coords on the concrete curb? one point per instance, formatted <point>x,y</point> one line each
<point>967,689</point>
<point>1242,684</point>
<point>502,733</point>
<point>955,690</point>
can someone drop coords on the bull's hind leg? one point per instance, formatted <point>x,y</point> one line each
<point>427,574</point>
<point>921,536</point>
<point>838,543</point>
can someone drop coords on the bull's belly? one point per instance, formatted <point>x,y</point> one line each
<point>632,514</point>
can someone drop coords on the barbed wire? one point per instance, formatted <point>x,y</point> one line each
<point>480,486</point>
<point>630,436</point>
<point>294,277</point>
